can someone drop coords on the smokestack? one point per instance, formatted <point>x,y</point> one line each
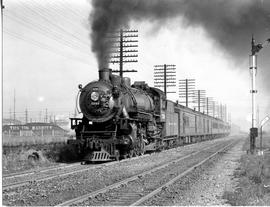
<point>105,74</point>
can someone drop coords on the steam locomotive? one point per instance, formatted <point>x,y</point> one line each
<point>122,120</point>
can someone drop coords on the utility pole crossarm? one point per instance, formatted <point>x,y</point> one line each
<point>164,76</point>
<point>123,41</point>
<point>186,89</point>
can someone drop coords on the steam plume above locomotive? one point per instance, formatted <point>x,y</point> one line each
<point>230,23</point>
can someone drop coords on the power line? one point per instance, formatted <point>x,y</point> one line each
<point>61,9</point>
<point>32,20</point>
<point>49,21</point>
<point>186,90</point>
<point>61,41</point>
<point>67,5</point>
<point>165,76</point>
<point>60,13</point>
<point>120,55</point>
<point>42,46</point>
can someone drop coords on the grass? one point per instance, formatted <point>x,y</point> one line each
<point>254,178</point>
<point>32,140</point>
<point>18,152</point>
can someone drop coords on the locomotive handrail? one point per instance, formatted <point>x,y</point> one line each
<point>79,92</point>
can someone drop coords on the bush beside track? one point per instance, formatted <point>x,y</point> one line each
<point>19,155</point>
<point>253,178</point>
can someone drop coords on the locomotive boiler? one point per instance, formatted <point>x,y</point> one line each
<point>118,120</point>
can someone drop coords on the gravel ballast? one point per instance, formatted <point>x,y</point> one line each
<point>205,185</point>
<point>58,190</point>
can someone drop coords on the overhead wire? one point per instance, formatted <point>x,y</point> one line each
<point>37,12</point>
<point>42,46</point>
<point>67,5</point>
<point>45,33</point>
<point>61,14</point>
<point>51,32</point>
<point>44,30</point>
<point>61,10</point>
<point>50,9</point>
<point>28,14</point>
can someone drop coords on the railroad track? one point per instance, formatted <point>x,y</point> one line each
<point>20,179</point>
<point>23,178</point>
<point>119,193</point>
<point>39,170</point>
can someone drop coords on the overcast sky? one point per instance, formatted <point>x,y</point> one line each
<point>47,53</point>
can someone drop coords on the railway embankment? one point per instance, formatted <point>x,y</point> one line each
<point>253,175</point>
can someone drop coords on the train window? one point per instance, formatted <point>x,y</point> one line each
<point>163,104</point>
<point>186,121</point>
<point>215,125</point>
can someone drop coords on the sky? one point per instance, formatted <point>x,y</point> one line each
<point>50,47</point>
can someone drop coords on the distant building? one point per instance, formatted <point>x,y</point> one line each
<point>11,122</point>
<point>34,129</point>
<point>63,123</point>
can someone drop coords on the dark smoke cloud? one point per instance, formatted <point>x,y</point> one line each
<point>229,22</point>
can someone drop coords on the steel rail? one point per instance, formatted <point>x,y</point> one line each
<point>25,182</point>
<point>39,170</point>
<point>125,181</point>
<point>159,189</point>
<point>26,173</point>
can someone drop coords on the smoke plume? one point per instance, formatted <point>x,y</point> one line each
<point>229,23</point>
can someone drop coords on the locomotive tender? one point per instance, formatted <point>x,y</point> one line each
<point>124,120</point>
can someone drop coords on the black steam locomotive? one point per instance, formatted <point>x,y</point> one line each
<point>124,120</point>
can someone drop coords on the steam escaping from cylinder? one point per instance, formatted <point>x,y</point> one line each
<point>230,23</point>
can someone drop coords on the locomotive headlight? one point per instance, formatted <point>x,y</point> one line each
<point>94,96</point>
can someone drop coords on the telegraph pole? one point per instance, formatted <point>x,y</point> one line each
<point>186,90</point>
<point>214,108</point>
<point>10,116</point>
<point>199,98</point>
<point>164,76</point>
<point>253,71</point>
<point>46,116</point>
<point>40,120</point>
<point>226,113</point>
<point>14,105</point>
<point>221,111</point>
<point>2,69</point>
<point>26,116</point>
<point>218,111</point>
<point>208,107</point>
<point>123,53</point>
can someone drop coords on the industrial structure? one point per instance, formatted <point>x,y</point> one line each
<point>33,129</point>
